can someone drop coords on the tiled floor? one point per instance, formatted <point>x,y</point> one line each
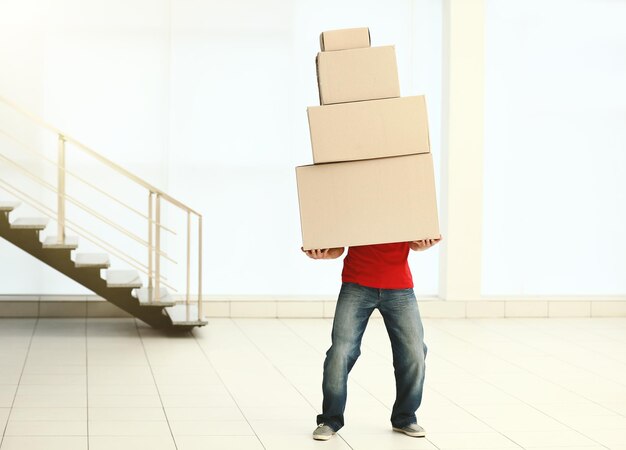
<point>255,384</point>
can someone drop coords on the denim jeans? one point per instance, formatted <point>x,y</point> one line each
<point>404,327</point>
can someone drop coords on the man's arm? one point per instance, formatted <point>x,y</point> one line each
<point>424,244</point>
<point>325,253</point>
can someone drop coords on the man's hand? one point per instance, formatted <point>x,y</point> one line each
<point>325,253</point>
<point>424,244</point>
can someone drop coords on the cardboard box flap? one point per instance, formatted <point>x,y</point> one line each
<point>344,39</point>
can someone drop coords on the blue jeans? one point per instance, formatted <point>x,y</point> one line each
<point>404,327</point>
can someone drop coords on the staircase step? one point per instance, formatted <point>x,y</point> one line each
<point>92,260</point>
<point>185,315</point>
<point>123,278</point>
<point>70,242</point>
<point>30,223</point>
<point>144,295</point>
<point>7,206</point>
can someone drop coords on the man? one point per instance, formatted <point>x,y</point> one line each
<point>375,276</point>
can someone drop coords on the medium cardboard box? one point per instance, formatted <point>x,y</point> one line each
<point>357,74</point>
<point>344,39</point>
<point>367,202</point>
<point>369,129</point>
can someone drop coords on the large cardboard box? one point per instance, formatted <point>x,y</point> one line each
<point>367,202</point>
<point>344,39</point>
<point>369,129</point>
<point>357,74</point>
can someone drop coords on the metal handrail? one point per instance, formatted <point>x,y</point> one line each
<point>77,228</point>
<point>155,253</point>
<point>84,207</point>
<point>99,157</point>
<point>31,150</point>
<point>72,226</point>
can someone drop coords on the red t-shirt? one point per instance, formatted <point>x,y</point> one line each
<point>381,266</point>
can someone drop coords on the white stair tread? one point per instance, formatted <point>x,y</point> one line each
<point>30,223</point>
<point>144,295</point>
<point>8,205</point>
<point>185,315</point>
<point>100,260</point>
<point>123,278</point>
<point>69,242</point>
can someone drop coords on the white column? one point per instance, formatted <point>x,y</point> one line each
<point>462,149</point>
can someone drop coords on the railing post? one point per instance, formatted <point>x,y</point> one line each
<point>150,245</point>
<point>200,267</point>
<point>188,258</point>
<point>61,190</point>
<point>157,256</point>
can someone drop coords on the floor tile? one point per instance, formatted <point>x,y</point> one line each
<point>123,389</point>
<point>278,413</point>
<point>154,428</point>
<point>182,388</point>
<point>389,440</point>
<point>471,425</point>
<point>563,438</point>
<point>219,442</point>
<point>70,414</point>
<point>301,427</point>
<point>168,378</point>
<point>575,448</point>
<point>525,422</point>
<point>45,443</point>
<point>211,428</point>
<point>202,400</point>
<point>583,423</point>
<point>7,395</point>
<point>46,428</point>
<point>117,400</point>
<point>4,416</point>
<point>10,376</point>
<point>480,441</point>
<point>51,400</point>
<point>43,389</point>
<point>610,438</point>
<point>113,375</point>
<point>54,379</point>
<point>54,369</point>
<point>131,443</point>
<point>110,413</point>
<point>484,411</point>
<point>615,407</point>
<point>304,442</point>
<point>204,413</point>
<point>558,410</point>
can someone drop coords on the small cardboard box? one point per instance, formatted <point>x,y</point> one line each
<point>357,74</point>
<point>372,201</point>
<point>344,39</point>
<point>369,129</point>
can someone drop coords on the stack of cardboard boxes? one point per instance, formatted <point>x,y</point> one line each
<point>372,180</point>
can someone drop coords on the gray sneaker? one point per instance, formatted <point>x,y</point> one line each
<point>413,430</point>
<point>323,432</point>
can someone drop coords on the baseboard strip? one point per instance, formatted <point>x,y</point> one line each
<point>322,307</point>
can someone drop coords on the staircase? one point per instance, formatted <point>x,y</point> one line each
<point>153,303</point>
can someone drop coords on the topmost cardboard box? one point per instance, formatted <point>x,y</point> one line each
<point>345,39</point>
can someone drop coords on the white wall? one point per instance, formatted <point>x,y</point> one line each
<point>100,73</point>
<point>555,148</point>
<point>207,100</point>
<point>22,53</point>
